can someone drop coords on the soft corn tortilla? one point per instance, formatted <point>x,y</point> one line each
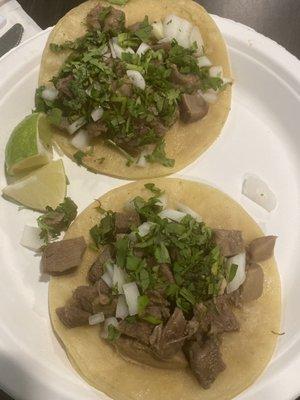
<point>245,353</point>
<point>184,142</point>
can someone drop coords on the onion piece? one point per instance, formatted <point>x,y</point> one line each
<point>107,279</point>
<point>117,49</point>
<point>216,71</point>
<point>185,209</point>
<point>137,79</point>
<point>31,238</point>
<point>142,161</point>
<point>174,215</point>
<point>143,48</point>
<point>210,96</point>
<point>240,276</point>
<point>259,192</point>
<point>171,25</point>
<point>145,228</point>
<point>72,128</point>
<point>50,93</point>
<point>204,61</point>
<point>109,267</point>
<point>195,36</point>
<point>163,200</point>
<point>119,278</point>
<point>131,293</point>
<point>109,321</point>
<point>96,318</point>
<point>97,113</point>
<point>122,308</point>
<point>183,34</point>
<point>81,140</point>
<point>158,29</point>
<point>112,49</point>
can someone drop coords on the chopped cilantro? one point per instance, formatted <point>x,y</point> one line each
<point>143,301</point>
<point>104,232</point>
<point>78,156</point>
<point>118,2</point>
<point>159,156</point>
<point>152,319</point>
<point>57,220</point>
<point>232,272</point>
<point>113,333</point>
<point>154,189</point>
<point>161,253</point>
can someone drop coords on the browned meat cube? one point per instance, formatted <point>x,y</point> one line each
<point>72,316</point>
<point>253,286</point>
<point>87,297</point>
<point>205,360</point>
<point>230,242</point>
<point>262,248</point>
<point>139,330</point>
<point>60,257</point>
<point>96,269</point>
<point>192,107</point>
<point>125,221</point>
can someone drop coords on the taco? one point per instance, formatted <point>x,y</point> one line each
<point>176,294</point>
<point>137,91</point>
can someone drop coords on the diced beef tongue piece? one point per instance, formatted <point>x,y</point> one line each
<point>113,22</point>
<point>216,316</point>
<point>62,85</point>
<point>138,330</point>
<point>95,129</point>
<point>167,341</point>
<point>96,270</point>
<point>104,292</point>
<point>126,220</point>
<point>205,360</point>
<point>86,297</point>
<point>192,107</point>
<point>187,82</point>
<point>156,300</point>
<point>262,248</point>
<point>252,288</point>
<point>230,242</point>
<point>166,46</point>
<point>135,27</point>
<point>72,316</point>
<point>60,257</point>
<point>166,272</point>
<point>126,89</point>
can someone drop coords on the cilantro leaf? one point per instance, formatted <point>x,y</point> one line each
<point>159,156</point>
<point>143,302</point>
<point>118,2</point>
<point>231,273</point>
<point>145,30</point>
<point>78,156</point>
<point>152,319</point>
<point>104,232</point>
<point>57,220</point>
<point>161,254</point>
<point>121,251</point>
<point>113,333</point>
<point>154,189</point>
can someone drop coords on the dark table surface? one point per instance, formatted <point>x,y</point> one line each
<point>277,19</point>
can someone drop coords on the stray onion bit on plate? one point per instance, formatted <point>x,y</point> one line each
<point>31,238</point>
<point>259,192</point>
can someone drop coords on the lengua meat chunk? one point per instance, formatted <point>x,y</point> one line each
<point>262,248</point>
<point>97,268</point>
<point>60,257</point>
<point>72,316</point>
<point>230,242</point>
<point>253,286</point>
<point>192,107</point>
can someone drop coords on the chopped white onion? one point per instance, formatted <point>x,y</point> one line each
<point>122,308</point>
<point>117,49</point>
<point>96,318</point>
<point>240,276</point>
<point>144,229</point>
<point>210,96</point>
<point>31,238</point>
<point>143,48</point>
<point>158,29</point>
<point>142,161</point>
<point>137,79</point>
<point>50,93</point>
<point>226,80</point>
<point>195,36</point>
<point>171,26</point>
<point>107,279</point>
<point>259,192</point>
<point>174,215</point>
<point>97,113</point>
<point>109,266</point>
<point>119,278</point>
<point>112,49</point>
<point>183,34</point>
<point>204,61</point>
<point>131,293</point>
<point>109,321</point>
<point>163,201</point>
<point>81,140</point>
<point>216,71</point>
<point>72,128</point>
<point>185,209</point>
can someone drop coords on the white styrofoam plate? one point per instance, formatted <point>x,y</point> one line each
<point>261,136</point>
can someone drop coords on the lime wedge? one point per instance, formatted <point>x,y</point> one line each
<point>29,145</point>
<point>45,186</point>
